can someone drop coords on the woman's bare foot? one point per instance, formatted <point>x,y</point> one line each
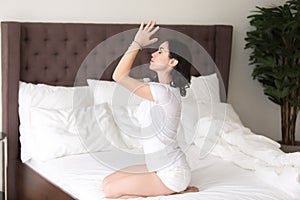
<point>189,189</point>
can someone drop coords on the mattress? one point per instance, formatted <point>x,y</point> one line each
<point>81,176</point>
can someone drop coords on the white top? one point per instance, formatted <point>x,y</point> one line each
<point>159,121</point>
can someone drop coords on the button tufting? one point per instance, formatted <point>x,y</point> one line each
<point>66,40</point>
<point>55,53</point>
<point>46,39</point>
<point>36,53</point>
<point>26,68</point>
<point>45,68</point>
<point>66,67</point>
<point>75,53</point>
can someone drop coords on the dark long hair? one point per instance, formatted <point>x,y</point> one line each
<point>181,73</point>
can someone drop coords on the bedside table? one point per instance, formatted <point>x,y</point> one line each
<point>3,140</point>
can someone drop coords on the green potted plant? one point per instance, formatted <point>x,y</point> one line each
<point>275,41</point>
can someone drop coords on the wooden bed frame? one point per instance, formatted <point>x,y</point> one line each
<point>52,53</point>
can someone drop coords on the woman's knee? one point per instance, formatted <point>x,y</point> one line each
<point>110,191</point>
<point>105,181</point>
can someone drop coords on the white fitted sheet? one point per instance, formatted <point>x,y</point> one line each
<point>81,177</point>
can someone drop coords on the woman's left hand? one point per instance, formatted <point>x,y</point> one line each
<point>143,36</point>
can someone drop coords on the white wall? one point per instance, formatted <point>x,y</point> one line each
<point>246,95</point>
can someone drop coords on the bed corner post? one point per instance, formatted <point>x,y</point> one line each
<point>11,36</point>
<point>223,41</point>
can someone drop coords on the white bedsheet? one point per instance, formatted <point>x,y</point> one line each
<point>81,176</point>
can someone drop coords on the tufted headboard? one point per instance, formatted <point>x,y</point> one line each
<point>52,53</point>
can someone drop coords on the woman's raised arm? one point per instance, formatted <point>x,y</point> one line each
<point>121,73</point>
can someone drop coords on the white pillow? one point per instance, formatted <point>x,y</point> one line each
<point>191,113</point>
<point>204,89</point>
<point>56,133</point>
<point>56,97</point>
<point>112,93</point>
<point>50,97</point>
<point>128,123</point>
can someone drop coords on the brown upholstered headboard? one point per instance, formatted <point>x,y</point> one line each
<point>52,53</point>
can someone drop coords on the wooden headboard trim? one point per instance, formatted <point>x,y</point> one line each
<point>223,44</point>
<point>10,82</point>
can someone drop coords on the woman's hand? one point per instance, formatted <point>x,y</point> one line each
<point>143,36</point>
<point>121,73</point>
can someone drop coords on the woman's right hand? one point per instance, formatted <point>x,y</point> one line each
<point>143,36</point>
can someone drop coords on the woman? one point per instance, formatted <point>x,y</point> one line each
<point>166,170</point>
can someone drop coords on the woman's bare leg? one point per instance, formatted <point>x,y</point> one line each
<point>136,185</point>
<point>136,170</point>
<point>124,172</point>
<point>187,190</point>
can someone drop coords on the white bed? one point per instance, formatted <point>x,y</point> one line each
<point>81,176</point>
<point>228,160</point>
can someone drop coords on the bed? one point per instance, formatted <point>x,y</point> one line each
<point>55,54</point>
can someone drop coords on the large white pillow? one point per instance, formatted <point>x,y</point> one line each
<point>56,97</point>
<point>57,133</point>
<point>112,93</point>
<point>49,97</point>
<point>204,89</point>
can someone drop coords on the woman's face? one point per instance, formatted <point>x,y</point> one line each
<point>160,60</point>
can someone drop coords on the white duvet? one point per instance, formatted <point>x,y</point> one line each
<point>253,152</point>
